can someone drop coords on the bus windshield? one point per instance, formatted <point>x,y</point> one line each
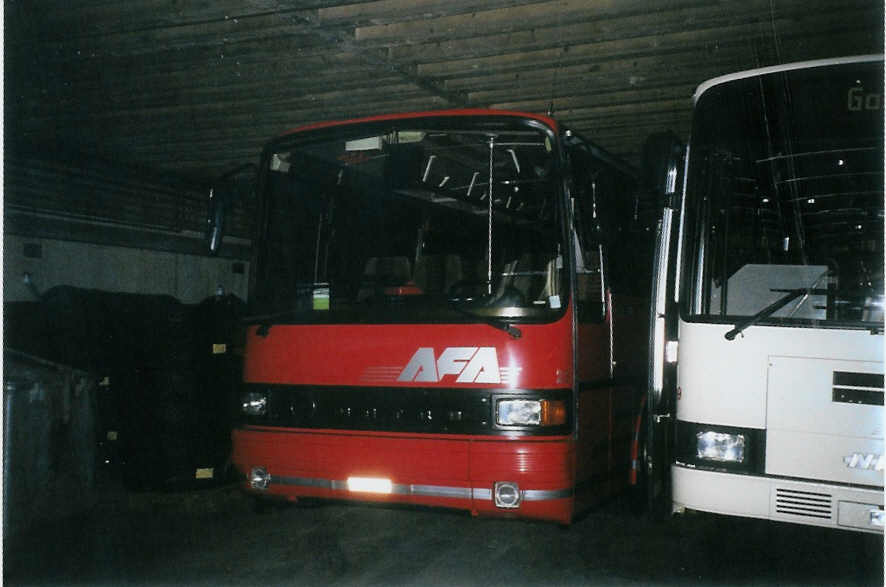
<point>784,199</point>
<point>412,220</point>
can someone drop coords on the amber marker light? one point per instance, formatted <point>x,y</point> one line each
<point>553,412</point>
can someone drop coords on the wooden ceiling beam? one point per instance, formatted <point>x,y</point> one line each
<point>528,16</point>
<point>592,99</point>
<point>182,36</point>
<point>707,40</point>
<point>184,120</point>
<point>396,11</point>
<point>583,73</point>
<point>675,19</point>
<point>196,88</point>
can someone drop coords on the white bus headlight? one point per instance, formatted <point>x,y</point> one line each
<point>530,412</point>
<point>254,403</point>
<point>524,412</point>
<point>720,447</point>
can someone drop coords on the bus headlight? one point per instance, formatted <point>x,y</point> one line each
<point>254,403</point>
<point>530,412</point>
<point>720,446</point>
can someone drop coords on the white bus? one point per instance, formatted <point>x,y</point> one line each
<point>766,349</point>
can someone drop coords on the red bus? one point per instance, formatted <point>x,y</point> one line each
<point>431,316</point>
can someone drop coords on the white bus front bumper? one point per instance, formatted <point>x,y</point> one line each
<point>817,504</point>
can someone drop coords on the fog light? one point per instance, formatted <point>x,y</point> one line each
<point>259,478</point>
<point>254,403</point>
<point>507,494</point>
<point>370,485</point>
<point>719,446</point>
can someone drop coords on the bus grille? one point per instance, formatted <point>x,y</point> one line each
<point>803,503</point>
<point>395,409</point>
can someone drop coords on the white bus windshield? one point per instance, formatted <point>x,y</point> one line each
<point>413,220</point>
<point>785,193</point>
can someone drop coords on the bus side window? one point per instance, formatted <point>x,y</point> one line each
<point>590,286</point>
<point>589,252</point>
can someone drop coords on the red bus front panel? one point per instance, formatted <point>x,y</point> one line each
<point>436,354</point>
<point>414,406</point>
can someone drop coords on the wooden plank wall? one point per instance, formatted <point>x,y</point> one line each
<point>195,88</point>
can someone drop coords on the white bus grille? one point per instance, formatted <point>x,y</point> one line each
<point>803,503</point>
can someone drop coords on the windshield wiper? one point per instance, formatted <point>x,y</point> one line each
<point>498,323</point>
<point>512,330</point>
<point>264,321</point>
<point>790,296</point>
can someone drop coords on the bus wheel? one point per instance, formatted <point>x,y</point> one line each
<point>639,490</point>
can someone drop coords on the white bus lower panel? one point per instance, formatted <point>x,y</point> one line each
<point>817,504</point>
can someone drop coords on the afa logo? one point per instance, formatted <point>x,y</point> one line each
<point>469,364</point>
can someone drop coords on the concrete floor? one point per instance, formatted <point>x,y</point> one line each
<point>213,537</point>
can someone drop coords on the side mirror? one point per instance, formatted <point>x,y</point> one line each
<point>232,187</point>
<point>662,165</point>
<point>215,221</point>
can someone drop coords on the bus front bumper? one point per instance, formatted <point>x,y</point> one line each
<point>521,477</point>
<point>802,502</point>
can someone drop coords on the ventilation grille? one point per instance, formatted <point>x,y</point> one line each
<point>803,503</point>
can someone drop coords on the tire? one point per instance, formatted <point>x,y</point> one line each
<point>639,492</point>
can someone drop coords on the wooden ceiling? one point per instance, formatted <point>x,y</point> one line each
<point>193,88</point>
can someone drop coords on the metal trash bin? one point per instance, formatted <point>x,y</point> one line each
<point>49,442</point>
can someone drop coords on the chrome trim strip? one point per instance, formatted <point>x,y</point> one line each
<point>482,493</point>
<point>678,267</point>
<point>433,491</point>
<point>545,494</point>
<point>309,482</point>
<point>478,493</point>
<point>659,305</point>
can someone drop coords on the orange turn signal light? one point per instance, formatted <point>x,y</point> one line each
<point>553,412</point>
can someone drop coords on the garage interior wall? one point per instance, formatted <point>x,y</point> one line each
<point>98,227</point>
